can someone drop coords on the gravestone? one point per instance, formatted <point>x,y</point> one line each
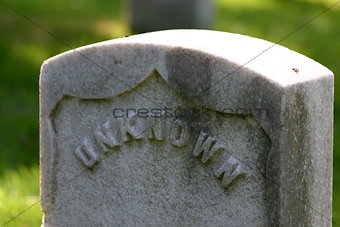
<point>186,128</point>
<point>154,15</point>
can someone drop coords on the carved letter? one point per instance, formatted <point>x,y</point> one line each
<point>105,137</point>
<point>86,154</point>
<point>156,128</point>
<point>207,145</point>
<point>128,129</point>
<point>179,134</point>
<point>232,169</point>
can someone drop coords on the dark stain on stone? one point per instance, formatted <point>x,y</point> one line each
<point>189,73</point>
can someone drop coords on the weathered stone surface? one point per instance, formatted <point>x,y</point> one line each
<point>180,128</point>
<point>153,15</point>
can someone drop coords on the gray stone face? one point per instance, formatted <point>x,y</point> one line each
<point>157,130</point>
<point>153,15</point>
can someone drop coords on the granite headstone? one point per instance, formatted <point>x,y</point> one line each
<point>186,128</point>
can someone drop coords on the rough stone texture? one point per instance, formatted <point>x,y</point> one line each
<point>153,15</point>
<point>259,154</point>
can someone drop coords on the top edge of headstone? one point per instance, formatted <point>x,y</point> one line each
<point>276,63</point>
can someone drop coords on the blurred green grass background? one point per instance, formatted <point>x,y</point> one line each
<point>24,46</point>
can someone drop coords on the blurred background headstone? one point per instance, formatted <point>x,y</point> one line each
<point>153,15</point>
